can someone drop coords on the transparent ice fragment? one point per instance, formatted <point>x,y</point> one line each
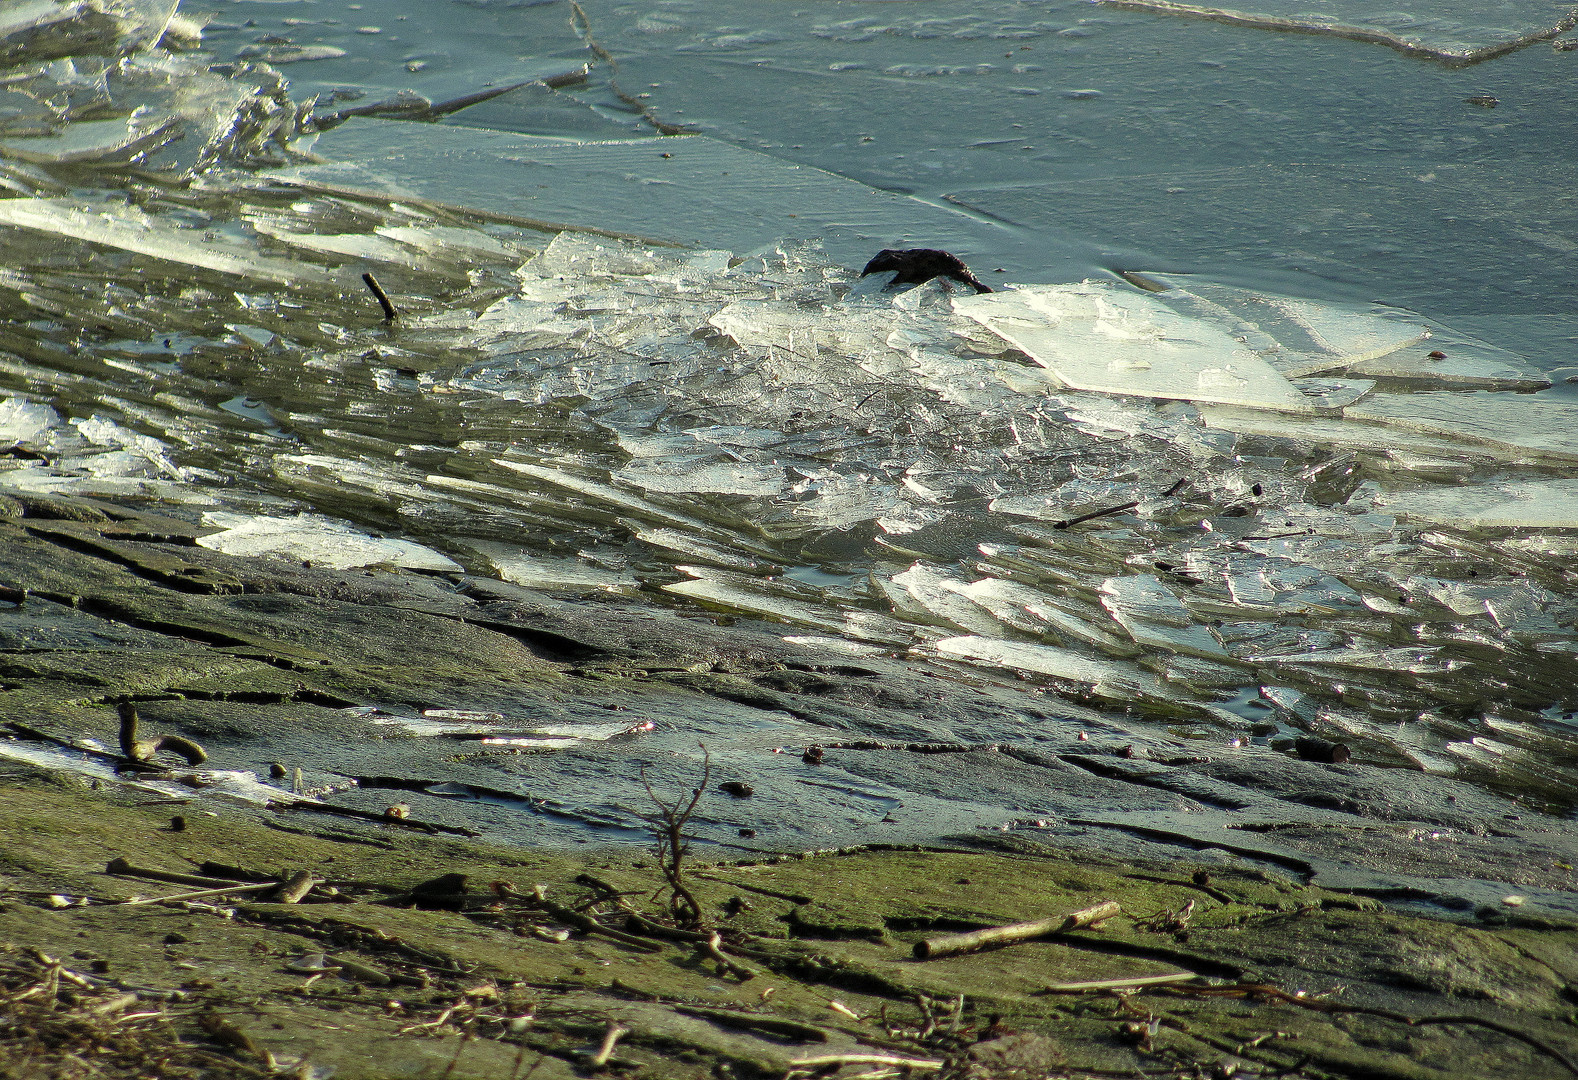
<point>1333,393</point>
<point>1449,359</point>
<point>1533,504</point>
<point>351,245</point>
<point>44,29</point>
<point>1109,678</point>
<point>120,226</point>
<point>720,478</point>
<point>521,567</point>
<point>738,598</point>
<point>24,421</point>
<point>1094,336</point>
<point>1516,422</point>
<point>452,241</point>
<point>96,140</point>
<point>1155,617</point>
<point>939,596</point>
<point>1031,610</point>
<point>315,539</point>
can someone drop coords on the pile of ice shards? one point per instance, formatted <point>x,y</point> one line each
<point>1153,498</point>
<point>88,83</point>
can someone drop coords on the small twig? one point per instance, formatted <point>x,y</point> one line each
<point>953,944</point>
<point>605,1050</point>
<point>1093,515</point>
<point>390,314</point>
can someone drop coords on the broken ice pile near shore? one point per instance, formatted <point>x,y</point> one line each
<point>87,84</point>
<point>1143,496</point>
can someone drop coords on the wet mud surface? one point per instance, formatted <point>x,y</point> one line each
<point>373,973</point>
<point>486,709</point>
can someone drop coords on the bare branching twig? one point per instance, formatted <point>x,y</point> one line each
<point>672,845</point>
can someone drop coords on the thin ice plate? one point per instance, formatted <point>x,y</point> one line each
<point>689,189</point>
<point>1528,423</point>
<point>1100,337</point>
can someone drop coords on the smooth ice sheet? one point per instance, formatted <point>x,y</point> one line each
<point>686,189</point>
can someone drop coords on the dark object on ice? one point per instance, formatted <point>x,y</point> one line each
<point>812,755</point>
<point>382,297</point>
<point>1313,749</point>
<point>737,789</point>
<point>916,266</point>
<point>1484,101</point>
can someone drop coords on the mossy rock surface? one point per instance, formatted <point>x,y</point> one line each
<point>479,992</point>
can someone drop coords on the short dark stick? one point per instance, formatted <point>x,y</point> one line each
<point>383,298</point>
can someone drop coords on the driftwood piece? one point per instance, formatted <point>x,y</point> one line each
<point>953,944</point>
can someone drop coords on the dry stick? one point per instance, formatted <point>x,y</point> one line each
<point>589,924</point>
<point>1247,989</point>
<point>390,314</point>
<point>864,1059</point>
<point>615,1032</point>
<point>231,890</point>
<point>1120,984</point>
<point>1093,515</point>
<point>953,944</point>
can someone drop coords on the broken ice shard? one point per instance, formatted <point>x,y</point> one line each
<point>317,540</point>
<point>1097,336</point>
